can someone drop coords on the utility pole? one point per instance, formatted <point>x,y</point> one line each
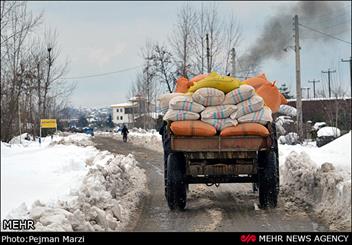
<point>350,60</point>
<point>314,81</point>
<point>308,92</point>
<point>329,72</point>
<point>208,52</point>
<point>19,118</point>
<point>50,62</point>
<point>233,59</point>
<point>298,81</point>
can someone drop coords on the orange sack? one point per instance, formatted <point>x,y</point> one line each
<point>270,95</point>
<point>182,85</point>
<point>197,78</point>
<point>192,128</point>
<point>283,99</point>
<point>257,82</point>
<point>245,129</point>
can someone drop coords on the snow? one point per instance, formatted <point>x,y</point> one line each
<point>289,139</point>
<point>329,131</point>
<point>318,125</point>
<point>321,177</point>
<point>66,184</point>
<point>150,139</point>
<point>337,152</point>
<point>128,104</point>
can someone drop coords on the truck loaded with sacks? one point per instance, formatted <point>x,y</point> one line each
<point>218,129</point>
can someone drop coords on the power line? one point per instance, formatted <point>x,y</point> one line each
<point>340,23</point>
<point>323,33</point>
<point>103,74</point>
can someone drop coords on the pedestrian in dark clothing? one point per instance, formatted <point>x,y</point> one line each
<point>124,132</point>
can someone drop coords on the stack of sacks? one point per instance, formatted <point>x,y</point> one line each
<point>182,107</point>
<point>199,107</point>
<point>183,111</point>
<point>250,106</point>
<point>216,113</point>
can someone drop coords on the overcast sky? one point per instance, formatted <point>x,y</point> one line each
<point>99,37</point>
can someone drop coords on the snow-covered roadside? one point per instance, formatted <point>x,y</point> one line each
<point>150,139</point>
<point>321,178</point>
<point>66,184</point>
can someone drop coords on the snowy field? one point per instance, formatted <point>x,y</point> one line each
<point>66,184</point>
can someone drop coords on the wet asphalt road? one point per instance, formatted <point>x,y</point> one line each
<point>231,207</point>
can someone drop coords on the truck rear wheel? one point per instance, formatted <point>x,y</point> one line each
<point>268,191</point>
<point>175,182</point>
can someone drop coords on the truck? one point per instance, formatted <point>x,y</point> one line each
<point>216,159</point>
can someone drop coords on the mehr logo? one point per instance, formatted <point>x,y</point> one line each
<point>18,224</point>
<point>248,238</point>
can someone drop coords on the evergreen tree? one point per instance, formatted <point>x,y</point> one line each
<point>285,92</point>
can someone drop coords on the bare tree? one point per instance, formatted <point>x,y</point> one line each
<point>163,67</point>
<point>213,24</point>
<point>332,107</point>
<point>199,44</point>
<point>16,25</point>
<point>231,37</point>
<point>181,39</point>
<point>31,84</point>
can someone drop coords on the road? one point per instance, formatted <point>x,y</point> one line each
<point>230,207</point>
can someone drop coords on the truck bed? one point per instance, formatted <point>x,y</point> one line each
<point>219,144</point>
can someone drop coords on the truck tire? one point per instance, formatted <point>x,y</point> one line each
<point>268,191</point>
<point>176,186</point>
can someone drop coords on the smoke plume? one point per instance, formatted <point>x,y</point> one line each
<point>330,17</point>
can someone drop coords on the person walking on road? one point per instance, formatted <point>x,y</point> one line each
<point>124,133</point>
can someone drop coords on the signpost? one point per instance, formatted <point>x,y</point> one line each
<point>46,123</point>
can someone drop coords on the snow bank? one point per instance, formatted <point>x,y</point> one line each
<point>66,187</point>
<point>150,139</point>
<point>329,131</point>
<point>337,152</point>
<point>321,177</point>
<point>80,139</point>
<point>318,125</point>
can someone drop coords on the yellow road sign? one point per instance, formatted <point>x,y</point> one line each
<point>48,123</point>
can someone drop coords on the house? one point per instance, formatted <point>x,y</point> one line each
<point>135,113</point>
<point>123,113</point>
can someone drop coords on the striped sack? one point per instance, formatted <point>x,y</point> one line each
<point>288,110</point>
<point>185,103</point>
<point>164,100</point>
<point>220,124</point>
<point>208,96</point>
<point>263,116</point>
<point>244,92</point>
<point>255,103</point>
<point>178,115</point>
<point>219,111</point>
